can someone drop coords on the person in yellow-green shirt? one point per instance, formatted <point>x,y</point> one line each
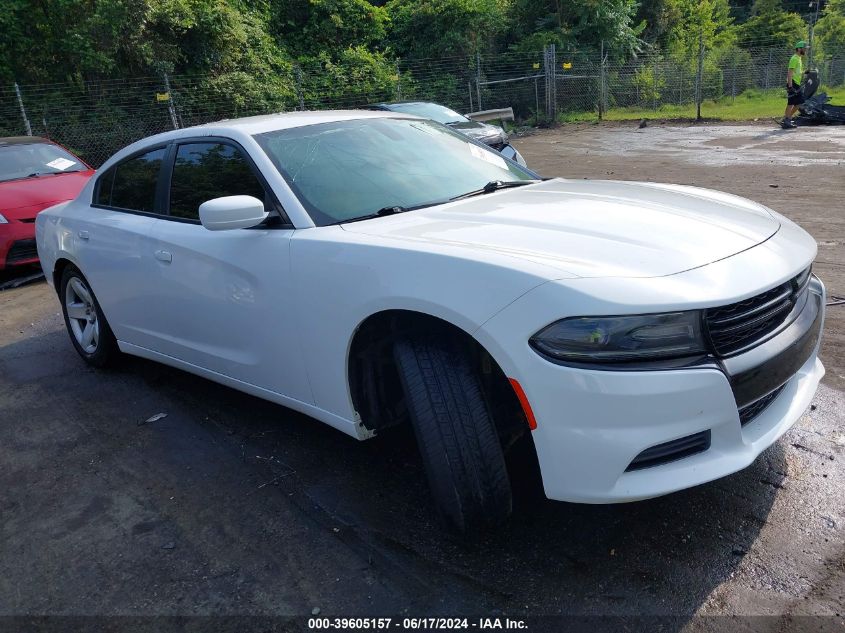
<point>794,96</point>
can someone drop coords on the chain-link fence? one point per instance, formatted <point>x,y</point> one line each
<point>96,118</point>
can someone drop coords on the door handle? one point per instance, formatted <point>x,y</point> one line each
<point>164,256</point>
<point>83,235</point>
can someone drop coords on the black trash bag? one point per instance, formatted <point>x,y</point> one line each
<point>811,83</point>
<point>817,110</point>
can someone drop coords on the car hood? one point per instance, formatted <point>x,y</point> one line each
<point>590,228</point>
<point>25,196</point>
<point>480,131</point>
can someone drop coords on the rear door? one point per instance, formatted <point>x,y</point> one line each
<point>112,241</point>
<point>223,299</point>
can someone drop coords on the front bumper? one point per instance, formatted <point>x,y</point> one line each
<point>17,244</point>
<point>592,423</point>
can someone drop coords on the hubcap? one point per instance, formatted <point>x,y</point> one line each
<point>81,315</point>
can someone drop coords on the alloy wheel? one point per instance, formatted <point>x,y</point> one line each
<point>82,315</point>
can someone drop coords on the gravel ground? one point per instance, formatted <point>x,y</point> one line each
<point>231,505</point>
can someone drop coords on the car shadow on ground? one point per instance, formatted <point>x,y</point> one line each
<point>656,557</point>
<point>19,275</point>
<point>661,555</point>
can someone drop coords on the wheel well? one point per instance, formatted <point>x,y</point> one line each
<point>374,379</point>
<point>58,269</point>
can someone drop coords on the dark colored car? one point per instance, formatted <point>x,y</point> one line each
<point>35,173</point>
<point>491,135</point>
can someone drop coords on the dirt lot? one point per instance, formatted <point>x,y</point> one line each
<point>231,505</point>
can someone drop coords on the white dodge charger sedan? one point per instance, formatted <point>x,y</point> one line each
<point>372,269</point>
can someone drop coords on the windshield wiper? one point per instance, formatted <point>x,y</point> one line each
<point>383,212</point>
<point>38,174</point>
<point>494,185</point>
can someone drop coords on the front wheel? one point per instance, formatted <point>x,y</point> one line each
<point>87,326</point>
<point>456,435</point>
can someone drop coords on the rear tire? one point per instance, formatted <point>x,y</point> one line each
<point>455,432</point>
<point>87,326</point>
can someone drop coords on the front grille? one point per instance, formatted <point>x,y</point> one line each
<point>751,411</point>
<point>22,250</point>
<point>670,451</point>
<point>734,327</point>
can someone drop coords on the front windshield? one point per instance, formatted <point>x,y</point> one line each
<point>433,111</point>
<point>36,159</point>
<point>348,169</point>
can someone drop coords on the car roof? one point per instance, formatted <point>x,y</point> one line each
<point>23,140</point>
<point>385,104</point>
<point>286,120</point>
<point>252,125</point>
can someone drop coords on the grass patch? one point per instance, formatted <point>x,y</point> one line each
<point>750,105</point>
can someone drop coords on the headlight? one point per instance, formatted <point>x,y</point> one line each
<point>3,220</point>
<point>622,338</point>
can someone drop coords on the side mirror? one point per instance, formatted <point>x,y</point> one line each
<point>508,151</point>
<point>232,212</point>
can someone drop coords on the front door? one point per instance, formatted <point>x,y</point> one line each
<point>223,298</point>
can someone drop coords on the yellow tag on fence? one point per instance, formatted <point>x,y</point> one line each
<point>567,65</point>
<point>536,66</point>
<point>162,96</point>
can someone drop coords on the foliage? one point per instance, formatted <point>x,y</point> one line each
<point>705,21</point>
<point>830,29</point>
<point>648,83</point>
<point>659,16</point>
<point>238,57</point>
<point>734,65</point>
<point>770,25</point>
<point>444,28</point>
<point>61,40</point>
<point>574,25</point>
<point>312,27</point>
<point>354,77</point>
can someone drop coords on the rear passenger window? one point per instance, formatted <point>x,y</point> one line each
<point>204,171</point>
<point>104,184</point>
<point>133,185</point>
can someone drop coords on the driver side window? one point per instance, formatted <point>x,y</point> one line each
<point>203,171</point>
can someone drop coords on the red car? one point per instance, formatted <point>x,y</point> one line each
<point>34,174</point>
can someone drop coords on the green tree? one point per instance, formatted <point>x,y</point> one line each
<point>829,33</point>
<point>444,28</point>
<point>708,20</point>
<point>351,77</point>
<point>770,25</point>
<point>312,27</point>
<point>578,25</point>
<point>659,16</point>
<point>69,40</point>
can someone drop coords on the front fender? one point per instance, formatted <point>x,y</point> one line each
<point>341,279</point>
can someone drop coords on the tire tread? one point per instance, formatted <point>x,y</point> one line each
<point>455,432</point>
